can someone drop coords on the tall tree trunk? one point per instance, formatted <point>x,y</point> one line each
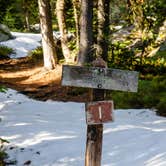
<point>49,52</point>
<point>86,33</point>
<point>103,28</point>
<point>60,7</point>
<point>76,7</point>
<point>27,20</point>
<point>25,6</point>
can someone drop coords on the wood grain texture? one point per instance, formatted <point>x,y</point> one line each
<point>99,112</point>
<point>100,78</point>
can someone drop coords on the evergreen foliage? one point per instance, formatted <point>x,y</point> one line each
<point>5,52</point>
<point>151,94</point>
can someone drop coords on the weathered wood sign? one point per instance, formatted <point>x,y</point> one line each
<point>99,112</point>
<point>100,78</point>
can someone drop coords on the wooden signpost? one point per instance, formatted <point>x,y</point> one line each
<point>98,111</point>
<point>100,78</point>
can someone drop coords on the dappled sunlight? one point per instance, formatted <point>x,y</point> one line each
<point>12,137</point>
<point>2,105</point>
<point>68,161</point>
<point>156,122</point>
<point>44,136</point>
<point>118,128</point>
<point>54,133</point>
<point>157,160</point>
<point>21,73</point>
<point>23,43</point>
<point>129,127</point>
<point>22,124</point>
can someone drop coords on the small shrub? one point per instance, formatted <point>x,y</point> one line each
<point>5,52</point>
<point>3,154</point>
<point>151,94</point>
<point>36,55</point>
<point>3,89</point>
<point>161,107</point>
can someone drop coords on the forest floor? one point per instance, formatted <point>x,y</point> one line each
<point>32,80</point>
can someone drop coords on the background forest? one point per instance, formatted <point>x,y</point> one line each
<point>135,34</point>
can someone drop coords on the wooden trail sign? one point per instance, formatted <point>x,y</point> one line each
<point>100,78</point>
<point>99,112</point>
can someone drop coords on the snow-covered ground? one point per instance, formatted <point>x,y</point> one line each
<point>54,133</point>
<point>23,43</point>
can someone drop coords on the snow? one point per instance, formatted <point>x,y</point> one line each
<point>23,43</point>
<point>54,133</point>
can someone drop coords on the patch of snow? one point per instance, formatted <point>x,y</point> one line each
<point>23,43</point>
<point>54,134</point>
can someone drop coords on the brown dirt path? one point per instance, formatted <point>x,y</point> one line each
<point>31,79</point>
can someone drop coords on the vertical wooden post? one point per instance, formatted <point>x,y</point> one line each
<point>95,132</point>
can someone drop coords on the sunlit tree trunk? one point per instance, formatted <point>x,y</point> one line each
<point>25,6</point>
<point>103,28</point>
<point>49,52</point>
<point>76,6</point>
<point>27,20</point>
<point>86,33</point>
<point>137,15</point>
<point>60,7</point>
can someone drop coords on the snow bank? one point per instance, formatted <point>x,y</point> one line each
<point>54,134</point>
<point>23,43</point>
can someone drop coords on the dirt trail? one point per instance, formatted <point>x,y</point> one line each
<point>31,79</point>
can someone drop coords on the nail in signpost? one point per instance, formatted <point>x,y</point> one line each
<point>98,110</point>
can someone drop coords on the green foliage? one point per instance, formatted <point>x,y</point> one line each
<point>3,154</point>
<point>151,94</point>
<point>36,55</point>
<point>120,56</point>
<point>5,52</point>
<point>124,55</point>
<point>154,13</point>
<point>3,8</point>
<point>3,89</point>
<point>14,18</point>
<point>15,14</point>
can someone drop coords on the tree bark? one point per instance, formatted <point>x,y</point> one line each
<point>49,52</point>
<point>60,7</point>
<point>27,20</point>
<point>25,6</point>
<point>94,145</point>
<point>103,28</point>
<point>76,7</point>
<point>86,33</point>
<point>95,132</point>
